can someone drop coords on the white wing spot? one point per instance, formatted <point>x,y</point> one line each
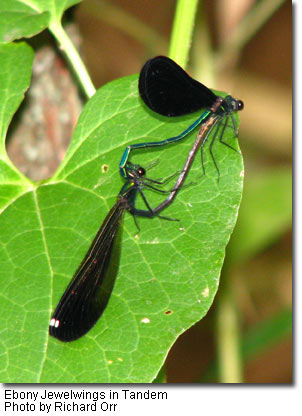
<point>54,322</point>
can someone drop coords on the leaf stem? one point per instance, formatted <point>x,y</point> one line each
<point>73,57</point>
<point>182,31</point>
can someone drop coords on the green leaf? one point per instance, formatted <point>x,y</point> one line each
<point>167,277</point>
<point>13,84</point>
<point>21,18</point>
<point>267,333</point>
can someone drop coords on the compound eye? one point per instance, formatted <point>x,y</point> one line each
<point>240,105</point>
<point>141,171</point>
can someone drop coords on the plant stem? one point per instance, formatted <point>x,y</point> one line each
<point>230,363</point>
<point>182,31</point>
<point>73,57</point>
<point>203,63</point>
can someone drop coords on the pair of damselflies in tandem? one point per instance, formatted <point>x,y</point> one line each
<point>168,90</point>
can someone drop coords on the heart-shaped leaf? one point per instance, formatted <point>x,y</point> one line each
<point>167,277</point>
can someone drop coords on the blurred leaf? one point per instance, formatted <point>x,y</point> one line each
<point>265,213</point>
<point>267,333</point>
<point>167,277</point>
<point>20,18</point>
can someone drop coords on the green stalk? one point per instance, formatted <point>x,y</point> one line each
<point>228,340</point>
<point>73,57</point>
<point>203,63</point>
<point>182,31</point>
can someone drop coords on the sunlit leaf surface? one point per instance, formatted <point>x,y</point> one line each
<point>167,278</point>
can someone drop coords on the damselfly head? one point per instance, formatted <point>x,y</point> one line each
<point>134,171</point>
<point>232,104</point>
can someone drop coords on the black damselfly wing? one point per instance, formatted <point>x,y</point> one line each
<point>87,295</point>
<point>168,90</point>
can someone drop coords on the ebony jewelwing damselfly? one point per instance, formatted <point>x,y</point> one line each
<point>204,132</point>
<point>88,293</point>
<point>168,90</point>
